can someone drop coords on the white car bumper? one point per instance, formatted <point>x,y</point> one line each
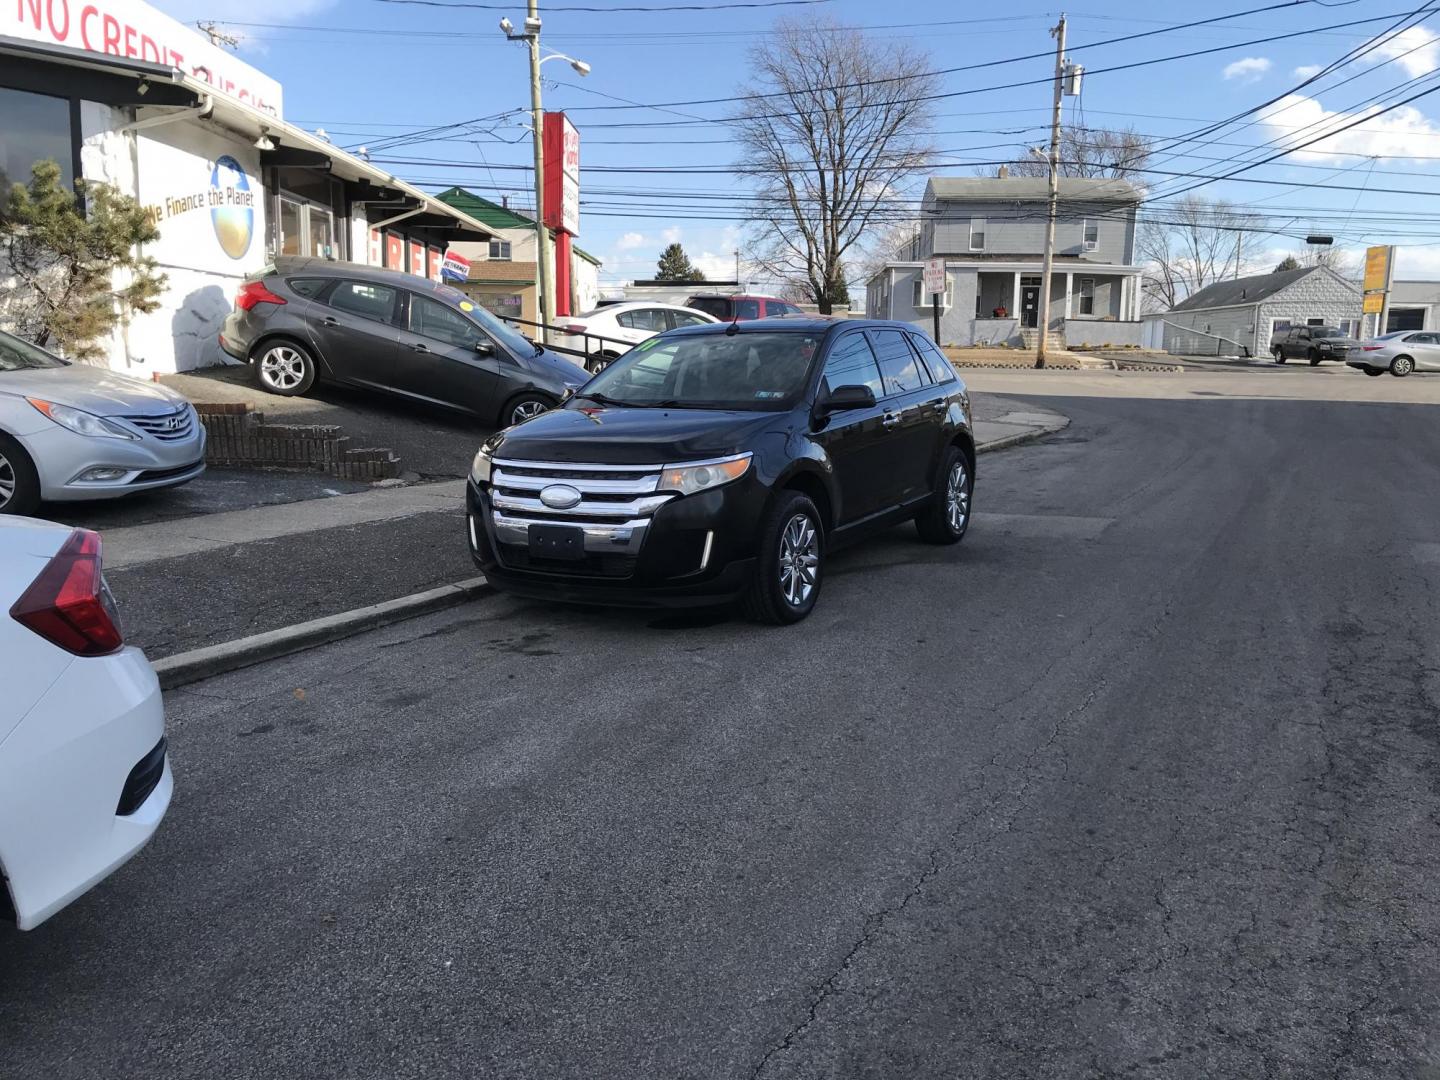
<point>64,771</point>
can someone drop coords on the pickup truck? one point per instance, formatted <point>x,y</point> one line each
<point>1313,343</point>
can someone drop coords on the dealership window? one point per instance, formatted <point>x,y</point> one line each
<point>500,249</point>
<point>36,128</point>
<point>921,299</point>
<point>306,229</point>
<point>506,305</point>
<point>1091,234</point>
<point>977,234</point>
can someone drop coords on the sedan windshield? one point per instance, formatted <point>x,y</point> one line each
<point>17,355</point>
<point>516,342</point>
<point>709,371</point>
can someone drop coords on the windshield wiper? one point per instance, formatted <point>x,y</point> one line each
<point>539,349</point>
<point>601,399</point>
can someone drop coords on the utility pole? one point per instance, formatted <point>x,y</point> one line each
<point>1059,34</point>
<point>737,266</point>
<point>537,123</point>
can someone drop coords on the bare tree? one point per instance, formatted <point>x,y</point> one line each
<point>831,150</point>
<point>1092,152</point>
<point>1193,242</point>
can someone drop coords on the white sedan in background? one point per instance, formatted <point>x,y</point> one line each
<point>609,330</point>
<point>84,779</point>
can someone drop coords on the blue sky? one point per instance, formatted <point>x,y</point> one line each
<point>367,69</point>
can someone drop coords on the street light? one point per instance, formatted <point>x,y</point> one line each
<point>531,36</point>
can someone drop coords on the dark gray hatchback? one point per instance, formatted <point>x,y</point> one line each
<point>305,319</point>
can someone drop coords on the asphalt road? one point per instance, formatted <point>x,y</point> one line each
<point>1142,780</point>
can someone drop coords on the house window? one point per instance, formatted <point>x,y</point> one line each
<point>1087,296</point>
<point>37,128</point>
<point>500,249</point>
<point>977,234</point>
<point>1091,234</point>
<point>921,299</point>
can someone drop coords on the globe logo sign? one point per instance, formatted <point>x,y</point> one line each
<point>232,207</point>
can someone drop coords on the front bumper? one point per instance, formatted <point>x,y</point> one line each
<point>694,551</point>
<point>61,457</point>
<point>85,752</point>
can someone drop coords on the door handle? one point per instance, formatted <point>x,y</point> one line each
<point>420,346</point>
<point>890,420</point>
<point>330,320</point>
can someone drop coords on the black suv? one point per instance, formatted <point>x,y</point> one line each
<point>727,461</point>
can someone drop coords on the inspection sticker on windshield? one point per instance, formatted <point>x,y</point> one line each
<point>466,305</point>
<point>650,344</point>
<point>765,395</point>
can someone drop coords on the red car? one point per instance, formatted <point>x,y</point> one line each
<point>742,307</point>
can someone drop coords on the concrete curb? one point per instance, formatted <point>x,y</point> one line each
<point>189,667</point>
<point>197,664</point>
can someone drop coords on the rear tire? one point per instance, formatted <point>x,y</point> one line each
<point>946,518</point>
<point>1314,358</point>
<point>597,364</point>
<point>1374,371</point>
<point>284,367</point>
<point>19,482</point>
<point>789,569</point>
<point>1401,366</point>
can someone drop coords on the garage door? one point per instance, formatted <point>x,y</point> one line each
<point>1405,319</point>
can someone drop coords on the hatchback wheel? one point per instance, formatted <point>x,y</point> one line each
<point>19,483</point>
<point>1402,366</point>
<point>788,571</point>
<point>285,368</point>
<point>522,408</point>
<point>947,516</point>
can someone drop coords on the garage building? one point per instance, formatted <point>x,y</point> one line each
<point>1238,317</point>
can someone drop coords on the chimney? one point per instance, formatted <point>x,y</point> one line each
<point>504,202</point>
<point>1003,171</point>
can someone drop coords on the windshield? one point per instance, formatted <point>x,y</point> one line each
<point>498,329</point>
<point>17,355</point>
<point>767,372</point>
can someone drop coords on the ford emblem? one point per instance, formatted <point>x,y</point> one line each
<point>560,497</point>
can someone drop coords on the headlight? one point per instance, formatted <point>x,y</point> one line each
<point>688,479</point>
<point>480,467</point>
<point>82,423</point>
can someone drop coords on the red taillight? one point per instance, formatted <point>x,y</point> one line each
<point>255,292</point>
<point>1372,348</point>
<point>68,604</point>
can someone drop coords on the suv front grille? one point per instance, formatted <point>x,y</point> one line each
<point>171,427</point>
<point>609,494</point>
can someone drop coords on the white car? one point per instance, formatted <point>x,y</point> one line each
<point>84,779</point>
<point>608,331</point>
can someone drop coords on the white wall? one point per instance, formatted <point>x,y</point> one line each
<point>585,277</point>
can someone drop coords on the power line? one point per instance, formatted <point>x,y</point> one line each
<point>729,4</point>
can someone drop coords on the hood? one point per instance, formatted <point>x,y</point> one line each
<point>555,366</point>
<point>585,432</point>
<point>93,390</point>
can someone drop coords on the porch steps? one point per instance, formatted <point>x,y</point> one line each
<point>1055,346</point>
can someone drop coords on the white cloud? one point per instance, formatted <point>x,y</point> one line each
<point>1417,262</point>
<point>1398,133</point>
<point>630,241</point>
<point>1248,68</point>
<point>671,235</point>
<point>1304,71</point>
<point>1416,49</point>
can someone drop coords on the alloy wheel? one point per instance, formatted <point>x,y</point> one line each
<point>8,481</point>
<point>957,497</point>
<point>526,409</point>
<point>799,559</point>
<point>282,367</point>
<point>1403,365</point>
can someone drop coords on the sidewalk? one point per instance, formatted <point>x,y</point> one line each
<point>204,581</point>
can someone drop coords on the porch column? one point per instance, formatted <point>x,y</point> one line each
<point>1069,284</point>
<point>1015,306</point>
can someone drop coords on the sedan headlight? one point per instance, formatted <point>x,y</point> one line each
<point>82,423</point>
<point>480,467</point>
<point>688,479</point>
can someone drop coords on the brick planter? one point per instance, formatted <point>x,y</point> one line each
<point>239,437</point>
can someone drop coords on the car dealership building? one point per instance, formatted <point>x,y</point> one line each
<point>116,92</point>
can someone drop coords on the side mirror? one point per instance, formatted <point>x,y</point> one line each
<point>484,348</point>
<point>847,397</point>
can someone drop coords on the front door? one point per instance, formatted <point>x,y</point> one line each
<point>855,439</point>
<point>1030,306</point>
<point>437,359</point>
<point>910,417</point>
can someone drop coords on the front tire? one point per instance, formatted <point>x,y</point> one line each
<point>1279,355</point>
<point>522,407</point>
<point>788,572</point>
<point>285,368</point>
<point>1401,366</point>
<point>1314,358</point>
<point>19,482</point>
<point>946,518</point>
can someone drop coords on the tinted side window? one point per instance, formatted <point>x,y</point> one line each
<point>747,309</point>
<point>437,321</point>
<point>852,363</point>
<point>307,286</point>
<point>684,318</point>
<point>940,369</point>
<point>366,299</point>
<point>712,305</point>
<point>898,362</point>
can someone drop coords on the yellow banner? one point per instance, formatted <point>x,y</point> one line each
<point>1377,268</point>
<point>1374,303</point>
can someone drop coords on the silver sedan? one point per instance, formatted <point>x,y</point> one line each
<point>1399,352</point>
<point>70,431</point>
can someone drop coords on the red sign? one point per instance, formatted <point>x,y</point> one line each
<point>394,252</point>
<point>562,174</point>
<point>434,274</point>
<point>417,258</point>
<point>376,259</point>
